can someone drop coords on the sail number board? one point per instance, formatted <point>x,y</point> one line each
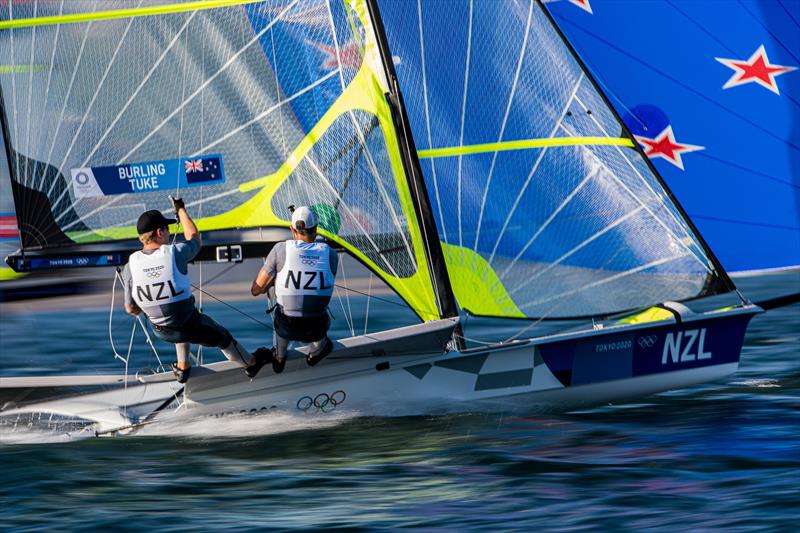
<point>166,175</point>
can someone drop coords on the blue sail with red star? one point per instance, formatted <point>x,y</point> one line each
<point>711,91</point>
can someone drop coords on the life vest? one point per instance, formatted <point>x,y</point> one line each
<point>156,281</point>
<point>303,287</point>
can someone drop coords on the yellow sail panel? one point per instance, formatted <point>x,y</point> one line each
<point>476,285</point>
<point>286,96</point>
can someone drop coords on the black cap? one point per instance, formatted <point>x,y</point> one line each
<point>152,220</point>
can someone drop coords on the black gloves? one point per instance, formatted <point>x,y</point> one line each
<point>177,204</point>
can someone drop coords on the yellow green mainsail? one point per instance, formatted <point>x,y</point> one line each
<point>253,110</point>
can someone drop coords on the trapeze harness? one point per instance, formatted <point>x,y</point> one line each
<point>303,289</point>
<point>157,282</point>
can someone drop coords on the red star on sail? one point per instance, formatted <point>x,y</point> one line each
<point>665,146</point>
<point>757,69</point>
<point>350,55</point>
<point>583,4</point>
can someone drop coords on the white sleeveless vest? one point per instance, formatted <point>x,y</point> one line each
<point>156,281</point>
<point>303,287</point>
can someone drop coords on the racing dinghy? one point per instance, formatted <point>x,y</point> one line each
<point>530,202</point>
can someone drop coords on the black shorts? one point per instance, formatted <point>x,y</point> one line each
<point>300,328</point>
<point>199,329</point>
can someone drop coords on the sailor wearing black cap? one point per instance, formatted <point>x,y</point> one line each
<point>156,281</point>
<point>302,272</point>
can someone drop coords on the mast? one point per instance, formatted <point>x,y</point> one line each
<point>446,301</point>
<point>722,275</point>
<point>5,132</point>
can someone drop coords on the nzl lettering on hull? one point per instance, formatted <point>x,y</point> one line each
<point>647,351</point>
<point>149,176</point>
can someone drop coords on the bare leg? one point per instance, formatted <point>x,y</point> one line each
<point>183,350</point>
<point>237,353</point>
<point>281,347</point>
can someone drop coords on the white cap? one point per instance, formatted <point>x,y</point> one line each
<point>306,215</point>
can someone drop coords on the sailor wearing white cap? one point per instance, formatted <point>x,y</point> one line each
<point>302,272</point>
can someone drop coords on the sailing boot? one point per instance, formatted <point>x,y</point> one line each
<point>278,364</point>
<point>180,374</point>
<point>261,357</point>
<point>316,358</point>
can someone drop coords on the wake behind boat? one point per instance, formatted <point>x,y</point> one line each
<point>544,208</point>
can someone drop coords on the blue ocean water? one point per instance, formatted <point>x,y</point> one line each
<point>719,456</point>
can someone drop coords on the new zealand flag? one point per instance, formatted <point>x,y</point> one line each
<point>203,169</point>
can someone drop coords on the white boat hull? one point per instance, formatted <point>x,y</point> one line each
<point>387,375</point>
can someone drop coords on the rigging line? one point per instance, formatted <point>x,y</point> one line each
<point>748,223</point>
<point>663,202</point>
<point>344,312</point>
<point>324,181</point>
<point>788,96</point>
<point>523,48</point>
<point>378,181</point>
<point>609,279</point>
<point>284,144</point>
<point>139,87</point>
<point>789,14</point>
<point>701,27</point>
<point>47,90</point>
<point>749,170</point>
<point>547,222</point>
<point>641,202</point>
<point>13,92</point>
<point>534,168</point>
<point>591,239</point>
<point>254,319</point>
<point>183,95</point>
<point>263,114</point>
<point>96,92</point>
<point>132,220</point>
<point>428,120</point>
<point>461,135</point>
<point>128,102</point>
<point>347,297</point>
<point>769,31</point>
<point>685,86</point>
<point>117,278</point>
<point>335,44</point>
<point>213,77</point>
<point>64,107</point>
<point>219,274</point>
<point>371,296</point>
<point>30,92</point>
<point>363,141</point>
<point>149,340</point>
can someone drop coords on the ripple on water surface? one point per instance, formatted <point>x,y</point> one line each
<point>723,455</point>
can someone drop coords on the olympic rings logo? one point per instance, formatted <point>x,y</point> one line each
<point>82,178</point>
<point>647,341</point>
<point>309,262</point>
<point>154,274</point>
<point>321,402</point>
